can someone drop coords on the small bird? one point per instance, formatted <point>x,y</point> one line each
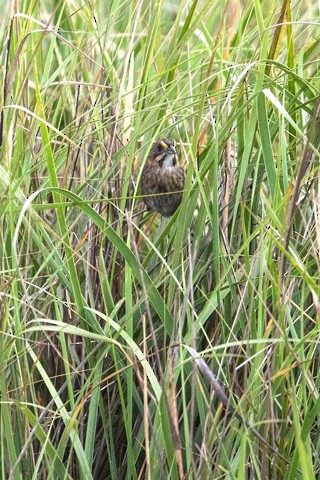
<point>161,174</point>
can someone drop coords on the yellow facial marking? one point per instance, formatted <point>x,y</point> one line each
<point>163,144</point>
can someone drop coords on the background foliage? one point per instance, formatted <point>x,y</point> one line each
<point>106,310</point>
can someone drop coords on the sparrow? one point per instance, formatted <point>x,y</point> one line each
<point>162,174</point>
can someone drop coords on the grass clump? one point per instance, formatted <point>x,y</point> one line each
<point>113,322</point>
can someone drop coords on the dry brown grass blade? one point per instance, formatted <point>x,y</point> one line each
<point>312,139</point>
<point>276,36</point>
<point>174,414</point>
<point>226,402</point>
<point>171,413</point>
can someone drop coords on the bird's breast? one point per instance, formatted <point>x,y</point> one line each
<point>169,161</point>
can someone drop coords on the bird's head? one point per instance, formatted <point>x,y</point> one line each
<point>163,153</point>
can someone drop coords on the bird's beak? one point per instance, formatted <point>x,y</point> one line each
<point>169,149</point>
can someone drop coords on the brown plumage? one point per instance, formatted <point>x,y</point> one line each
<point>161,174</point>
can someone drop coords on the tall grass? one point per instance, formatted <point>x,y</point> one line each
<point>108,313</point>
